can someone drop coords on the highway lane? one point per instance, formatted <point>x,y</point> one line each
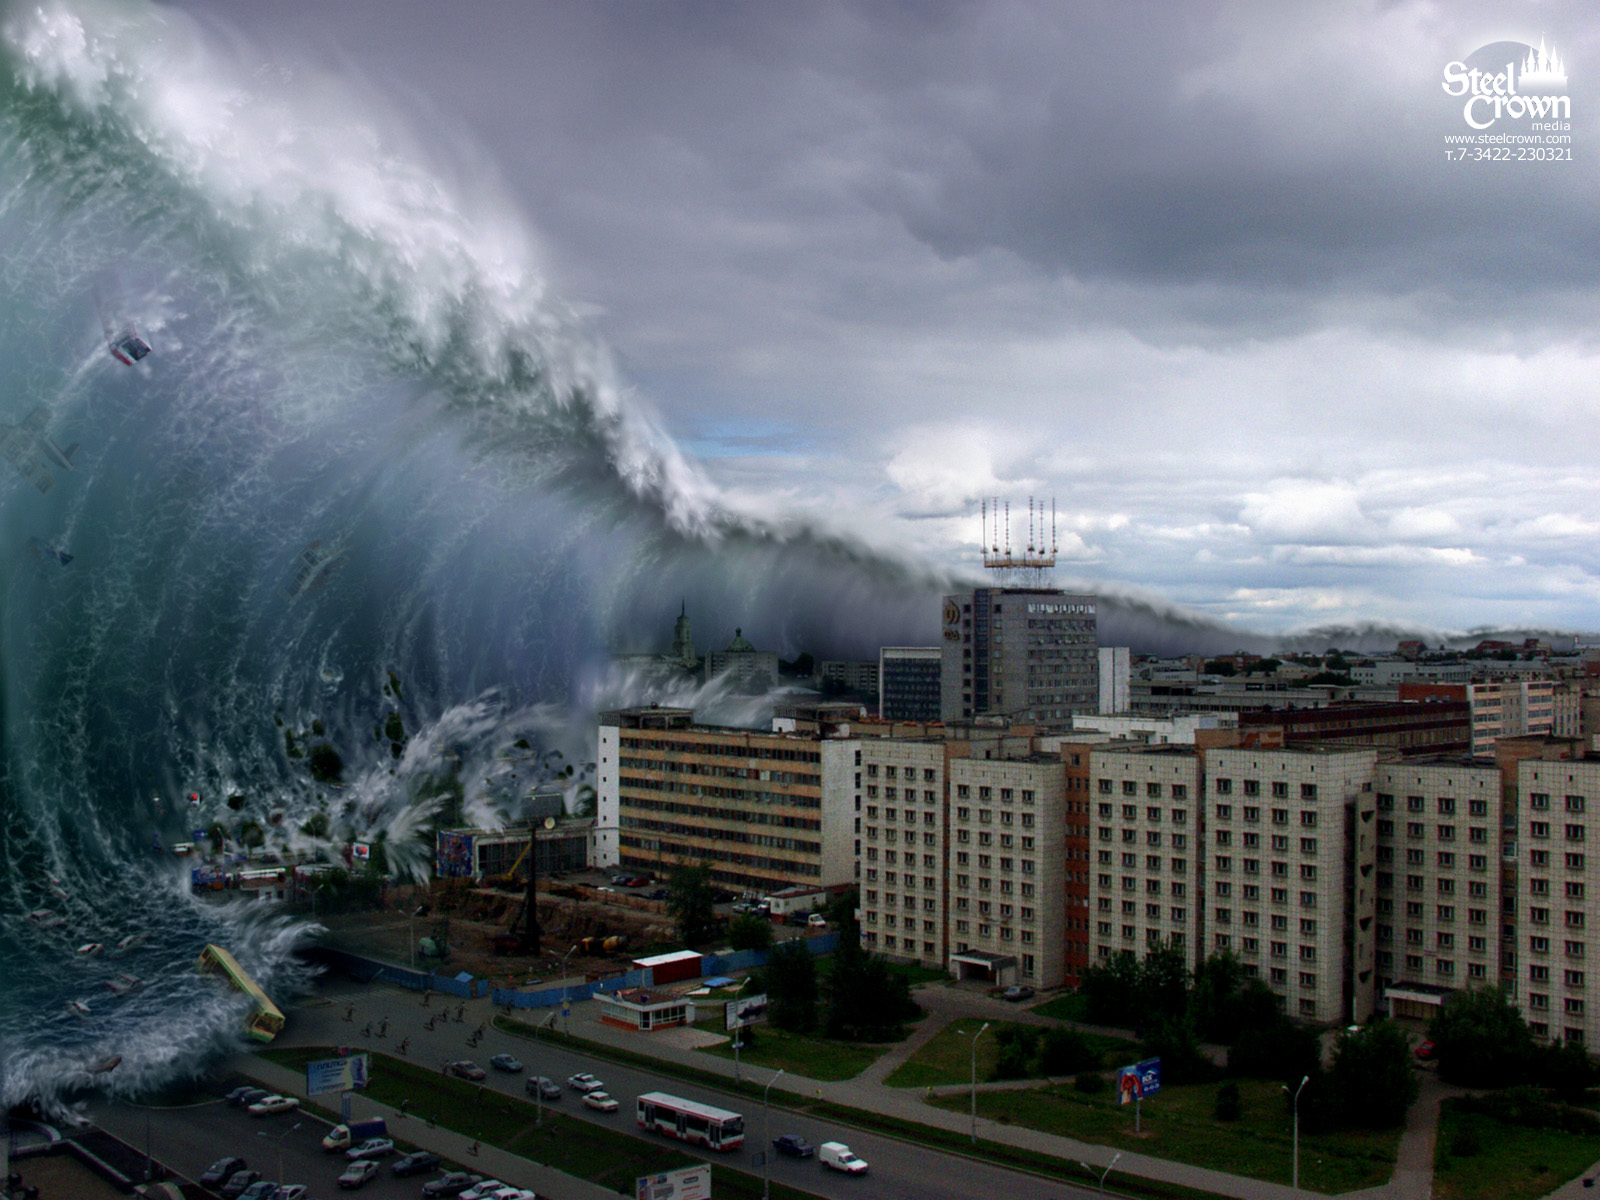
<point>899,1170</point>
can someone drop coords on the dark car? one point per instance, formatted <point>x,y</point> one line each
<point>659,894</point>
<point>237,1182</point>
<point>548,1089</point>
<point>794,1146</point>
<point>1021,992</point>
<point>222,1169</point>
<point>235,1096</point>
<point>247,1097</point>
<point>451,1183</point>
<point>416,1163</point>
<point>467,1069</point>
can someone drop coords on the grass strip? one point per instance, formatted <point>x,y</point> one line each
<point>996,1153</point>
<point>1479,1158</point>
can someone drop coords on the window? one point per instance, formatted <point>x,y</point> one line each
<point>1224,787</point>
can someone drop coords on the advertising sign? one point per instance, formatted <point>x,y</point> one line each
<point>686,1183</point>
<point>336,1074</point>
<point>1139,1082</point>
<point>752,1010</point>
<point>454,856</point>
<point>361,851</point>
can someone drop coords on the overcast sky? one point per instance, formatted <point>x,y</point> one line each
<point>1198,271</point>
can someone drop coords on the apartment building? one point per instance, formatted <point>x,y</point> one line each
<point>764,811</point>
<point>1439,880</point>
<point>1499,707</point>
<point>1558,905</point>
<point>1148,821</point>
<point>1025,654</point>
<point>1291,851</point>
<point>905,829</point>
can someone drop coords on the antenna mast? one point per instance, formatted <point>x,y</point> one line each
<point>1030,567</point>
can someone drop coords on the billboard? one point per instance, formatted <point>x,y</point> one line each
<point>686,1183</point>
<point>752,1010</point>
<point>336,1074</point>
<point>1139,1082</point>
<point>454,856</point>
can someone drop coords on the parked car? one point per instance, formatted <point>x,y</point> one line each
<point>235,1096</point>
<point>371,1148</point>
<point>584,1082</point>
<point>247,1097</point>
<point>505,1062</point>
<point>293,1191</point>
<point>268,1105</point>
<point>263,1189</point>
<point>482,1190</point>
<point>358,1173</point>
<point>601,1101</point>
<point>1016,993</point>
<point>415,1163</point>
<point>465,1068</point>
<point>237,1182</point>
<point>1426,1052</point>
<point>838,1156</point>
<point>794,1146</point>
<point>660,893</point>
<point>221,1170</point>
<point>451,1183</point>
<point>817,921</point>
<point>548,1089</point>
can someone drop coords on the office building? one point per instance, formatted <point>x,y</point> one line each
<point>1116,675</point>
<point>1432,727</point>
<point>844,675</point>
<point>908,683</point>
<point>1024,654</point>
<point>764,811</point>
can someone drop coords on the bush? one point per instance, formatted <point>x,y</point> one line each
<point>1089,1083</point>
<point>1464,1143</point>
<point>1527,1107</point>
<point>1229,1106</point>
<point>1064,1051</point>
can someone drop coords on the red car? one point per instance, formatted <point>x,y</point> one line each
<point>1426,1052</point>
<point>467,1069</point>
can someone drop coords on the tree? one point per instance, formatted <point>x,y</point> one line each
<point>1163,985</point>
<point>1111,989</point>
<point>841,914</point>
<point>867,1000</point>
<point>1219,666</point>
<point>790,979</point>
<point>750,932</point>
<point>690,901</point>
<point>1569,1072</point>
<point>1213,1000</point>
<point>1372,1080</point>
<point>1229,1106</point>
<point>1481,1039</point>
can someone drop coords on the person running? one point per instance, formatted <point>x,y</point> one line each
<point>405,1045</point>
<point>350,1012</point>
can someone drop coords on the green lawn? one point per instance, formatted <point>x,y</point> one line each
<point>1073,1007</point>
<point>804,1054</point>
<point>1178,1125</point>
<point>947,1059</point>
<point>1512,1162</point>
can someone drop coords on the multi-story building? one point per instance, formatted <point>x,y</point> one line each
<point>1025,654</point>
<point>904,823</point>
<point>1499,707</point>
<point>1008,867</point>
<point>1439,880</point>
<point>1292,847</point>
<point>848,675</point>
<point>1432,727</point>
<point>1116,675</point>
<point>764,811</point>
<point>908,683</point>
<point>1146,886</point>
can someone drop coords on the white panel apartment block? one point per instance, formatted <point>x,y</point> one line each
<point>1558,914</point>
<point>608,798</point>
<point>1291,859</point>
<point>1147,843</point>
<point>904,826</point>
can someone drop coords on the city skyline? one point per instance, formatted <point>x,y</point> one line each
<point>1207,279</point>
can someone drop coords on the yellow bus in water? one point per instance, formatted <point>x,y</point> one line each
<point>265,1021</point>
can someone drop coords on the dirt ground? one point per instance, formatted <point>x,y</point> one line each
<point>567,913</point>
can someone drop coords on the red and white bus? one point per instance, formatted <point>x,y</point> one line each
<point>713,1128</point>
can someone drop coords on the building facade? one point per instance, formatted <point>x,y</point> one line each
<point>908,683</point>
<point>764,811</point>
<point>1025,654</point>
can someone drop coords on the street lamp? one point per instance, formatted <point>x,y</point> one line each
<point>566,1022</point>
<point>975,1038</point>
<point>766,1139</point>
<point>1104,1173</point>
<point>278,1137</point>
<point>1297,1092</point>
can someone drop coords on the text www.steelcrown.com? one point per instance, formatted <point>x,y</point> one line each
<point>1508,147</point>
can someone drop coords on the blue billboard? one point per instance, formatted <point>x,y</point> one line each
<point>1139,1082</point>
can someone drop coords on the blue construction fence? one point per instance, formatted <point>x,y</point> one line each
<point>462,986</point>
<point>711,965</point>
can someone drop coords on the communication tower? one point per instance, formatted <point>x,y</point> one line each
<point>1029,567</point>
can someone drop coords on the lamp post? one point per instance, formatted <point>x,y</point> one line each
<point>566,1023</point>
<point>278,1137</point>
<point>1297,1091</point>
<point>766,1139</point>
<point>1102,1174</point>
<point>975,1038</point>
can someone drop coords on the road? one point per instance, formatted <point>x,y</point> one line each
<point>899,1170</point>
<point>189,1140</point>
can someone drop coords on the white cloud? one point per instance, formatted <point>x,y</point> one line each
<point>1305,510</point>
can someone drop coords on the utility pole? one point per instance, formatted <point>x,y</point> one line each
<point>1297,1091</point>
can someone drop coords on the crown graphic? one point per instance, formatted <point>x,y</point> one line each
<point>1543,68</point>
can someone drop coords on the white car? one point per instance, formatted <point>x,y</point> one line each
<point>484,1190</point>
<point>358,1173</point>
<point>600,1101</point>
<point>371,1148</point>
<point>268,1105</point>
<point>584,1082</point>
<point>817,921</point>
